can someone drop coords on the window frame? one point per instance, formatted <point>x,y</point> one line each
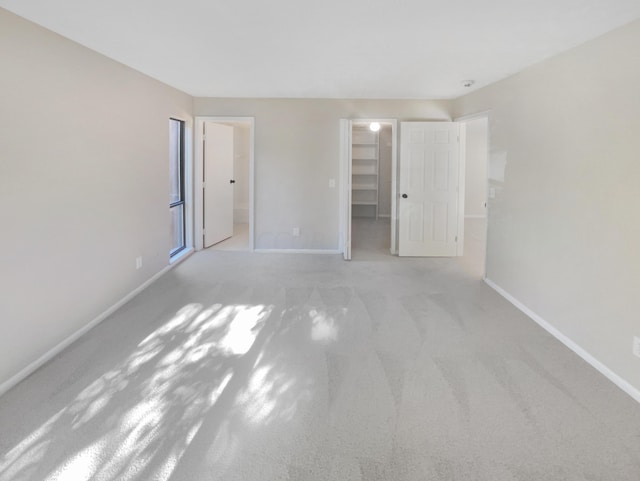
<point>181,184</point>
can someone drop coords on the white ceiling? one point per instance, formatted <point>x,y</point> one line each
<point>328,48</point>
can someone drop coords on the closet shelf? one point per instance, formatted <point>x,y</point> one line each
<point>364,187</point>
<point>364,171</point>
<point>365,153</point>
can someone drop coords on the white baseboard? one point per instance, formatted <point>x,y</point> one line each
<point>182,255</point>
<point>604,370</point>
<point>47,356</point>
<point>297,251</point>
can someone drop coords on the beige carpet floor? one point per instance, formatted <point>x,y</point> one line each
<point>241,366</point>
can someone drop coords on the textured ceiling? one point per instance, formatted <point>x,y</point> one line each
<point>331,48</point>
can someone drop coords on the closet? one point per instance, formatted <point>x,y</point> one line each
<point>365,155</point>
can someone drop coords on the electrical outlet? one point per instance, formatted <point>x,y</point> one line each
<point>296,231</point>
<point>138,262</point>
<point>636,346</point>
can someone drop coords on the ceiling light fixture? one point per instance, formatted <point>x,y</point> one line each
<point>374,126</point>
<point>468,83</point>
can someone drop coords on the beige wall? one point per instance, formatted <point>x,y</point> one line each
<point>297,147</point>
<point>83,186</point>
<point>475,187</point>
<point>564,227</point>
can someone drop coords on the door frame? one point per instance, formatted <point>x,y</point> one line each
<point>346,162</point>
<point>198,178</point>
<point>345,189</point>
<point>484,114</point>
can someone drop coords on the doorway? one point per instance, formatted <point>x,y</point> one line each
<point>224,183</point>
<point>371,170</point>
<point>368,152</point>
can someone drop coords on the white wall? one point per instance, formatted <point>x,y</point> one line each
<point>564,228</point>
<point>242,151</point>
<point>83,186</point>
<point>385,174</point>
<point>297,146</point>
<point>475,188</point>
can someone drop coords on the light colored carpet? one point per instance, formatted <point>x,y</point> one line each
<point>240,366</point>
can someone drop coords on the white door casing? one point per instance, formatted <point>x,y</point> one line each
<point>429,190</point>
<point>345,153</point>
<point>217,188</point>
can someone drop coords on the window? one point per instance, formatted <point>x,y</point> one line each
<point>176,191</point>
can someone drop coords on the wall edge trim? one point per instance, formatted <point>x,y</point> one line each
<point>580,351</point>
<point>298,251</point>
<point>61,346</point>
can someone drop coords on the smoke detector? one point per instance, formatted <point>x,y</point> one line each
<point>468,83</point>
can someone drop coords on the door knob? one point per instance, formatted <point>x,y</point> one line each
<point>404,196</point>
<point>232,181</point>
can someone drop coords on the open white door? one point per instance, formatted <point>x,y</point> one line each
<point>429,189</point>
<point>218,183</point>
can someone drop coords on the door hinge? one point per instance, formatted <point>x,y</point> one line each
<point>204,184</point>
<point>456,239</point>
